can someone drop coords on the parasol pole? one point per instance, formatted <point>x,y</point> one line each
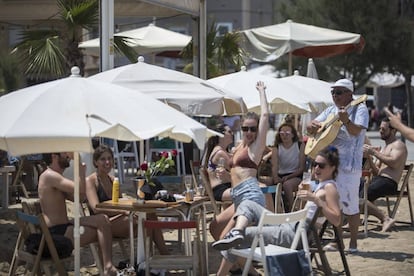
<point>76,228</point>
<point>290,64</point>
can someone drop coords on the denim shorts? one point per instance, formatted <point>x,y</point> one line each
<point>248,189</point>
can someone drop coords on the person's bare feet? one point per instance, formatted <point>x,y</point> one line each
<point>387,224</point>
<point>112,271</point>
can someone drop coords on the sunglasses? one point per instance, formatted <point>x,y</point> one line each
<point>320,165</point>
<point>247,128</point>
<point>338,92</point>
<point>285,132</point>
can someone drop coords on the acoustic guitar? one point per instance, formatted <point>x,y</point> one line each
<point>328,131</point>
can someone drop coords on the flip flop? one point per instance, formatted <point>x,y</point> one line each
<point>330,248</point>
<point>353,250</point>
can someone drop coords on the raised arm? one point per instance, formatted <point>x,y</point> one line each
<point>260,142</point>
<point>395,121</point>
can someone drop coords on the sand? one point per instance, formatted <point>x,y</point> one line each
<point>390,253</point>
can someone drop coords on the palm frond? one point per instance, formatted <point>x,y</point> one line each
<point>121,46</point>
<point>77,13</point>
<point>42,53</point>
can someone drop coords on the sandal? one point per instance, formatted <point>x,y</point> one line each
<point>330,247</point>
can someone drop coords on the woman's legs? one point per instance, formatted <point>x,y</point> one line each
<point>222,223</point>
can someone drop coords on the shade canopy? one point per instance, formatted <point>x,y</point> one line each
<point>63,115</point>
<point>185,92</point>
<point>145,40</point>
<point>284,96</point>
<point>271,42</point>
<point>313,91</point>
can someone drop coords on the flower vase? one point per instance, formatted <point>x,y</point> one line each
<point>140,192</point>
<point>147,190</point>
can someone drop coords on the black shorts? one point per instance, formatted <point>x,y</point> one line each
<point>219,190</point>
<point>59,229</point>
<point>381,186</point>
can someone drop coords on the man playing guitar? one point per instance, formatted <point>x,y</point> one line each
<point>349,142</point>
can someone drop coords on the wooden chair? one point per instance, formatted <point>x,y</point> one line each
<point>403,192</point>
<point>29,224</point>
<point>188,260</point>
<point>317,235</point>
<point>366,178</point>
<point>195,172</point>
<point>84,211</point>
<point>33,208</point>
<point>216,205</point>
<point>258,250</point>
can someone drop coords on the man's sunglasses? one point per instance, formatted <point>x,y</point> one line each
<point>320,165</point>
<point>247,128</point>
<point>338,92</point>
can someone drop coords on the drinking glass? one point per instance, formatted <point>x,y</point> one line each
<point>221,163</point>
<point>306,181</point>
<point>188,182</point>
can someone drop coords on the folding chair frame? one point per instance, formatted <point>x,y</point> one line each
<point>259,253</point>
<point>188,261</point>
<point>404,191</point>
<point>315,246</point>
<point>38,223</point>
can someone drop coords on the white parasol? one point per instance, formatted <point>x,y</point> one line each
<point>145,40</point>
<point>185,92</point>
<point>63,115</point>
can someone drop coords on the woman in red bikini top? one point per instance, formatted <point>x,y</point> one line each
<point>246,158</point>
<point>248,153</point>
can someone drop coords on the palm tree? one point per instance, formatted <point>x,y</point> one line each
<point>49,54</point>
<point>223,52</point>
<point>10,73</point>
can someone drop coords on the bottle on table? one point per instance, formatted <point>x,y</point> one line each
<point>115,190</point>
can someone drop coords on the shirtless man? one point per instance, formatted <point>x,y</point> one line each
<point>54,189</point>
<point>387,170</point>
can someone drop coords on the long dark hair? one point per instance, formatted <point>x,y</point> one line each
<point>212,142</point>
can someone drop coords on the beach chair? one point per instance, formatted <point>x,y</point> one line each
<point>30,224</point>
<point>33,208</point>
<point>366,180</point>
<point>216,205</point>
<point>259,251</point>
<point>402,192</point>
<point>188,260</point>
<point>316,234</point>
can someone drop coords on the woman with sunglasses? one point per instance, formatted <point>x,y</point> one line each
<point>243,167</point>
<point>324,197</point>
<point>288,162</point>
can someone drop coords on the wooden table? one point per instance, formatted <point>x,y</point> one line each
<point>185,209</point>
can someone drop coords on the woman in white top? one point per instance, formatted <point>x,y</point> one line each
<point>288,162</point>
<point>324,197</point>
